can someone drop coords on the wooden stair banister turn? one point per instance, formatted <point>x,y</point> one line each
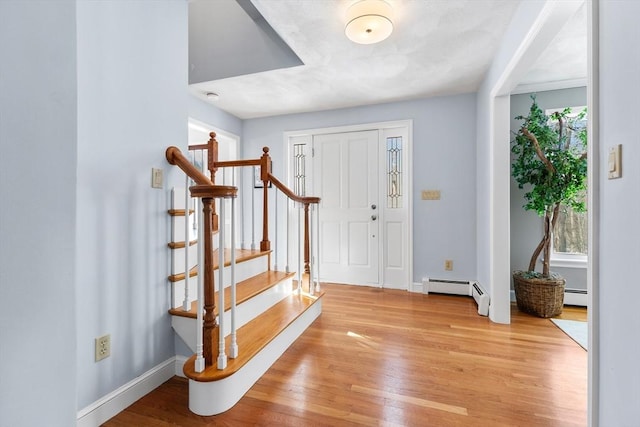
<point>175,157</point>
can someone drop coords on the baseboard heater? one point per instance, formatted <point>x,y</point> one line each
<point>575,297</point>
<point>458,287</point>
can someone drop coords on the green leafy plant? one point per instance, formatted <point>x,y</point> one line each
<point>550,162</point>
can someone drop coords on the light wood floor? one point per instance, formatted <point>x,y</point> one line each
<point>393,358</point>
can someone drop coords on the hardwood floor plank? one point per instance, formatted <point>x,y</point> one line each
<point>393,358</point>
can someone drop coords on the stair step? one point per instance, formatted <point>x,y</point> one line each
<point>245,290</point>
<point>255,335</point>
<point>178,212</point>
<point>180,245</point>
<point>241,256</point>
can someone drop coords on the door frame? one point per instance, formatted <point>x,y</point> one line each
<point>380,127</point>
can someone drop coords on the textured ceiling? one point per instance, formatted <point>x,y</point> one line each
<point>438,47</point>
<point>565,60</point>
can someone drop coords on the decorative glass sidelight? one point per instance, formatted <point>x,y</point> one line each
<point>394,172</point>
<point>299,170</point>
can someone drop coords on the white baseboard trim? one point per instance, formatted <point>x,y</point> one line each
<point>180,361</point>
<point>115,402</point>
<point>399,287</point>
<point>416,287</point>
<point>571,297</point>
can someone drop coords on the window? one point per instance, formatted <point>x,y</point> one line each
<point>299,170</point>
<point>569,244</point>
<point>394,172</point>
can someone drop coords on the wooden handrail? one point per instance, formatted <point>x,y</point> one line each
<point>234,163</point>
<point>290,194</point>
<point>175,157</point>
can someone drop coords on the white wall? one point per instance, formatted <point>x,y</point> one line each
<point>132,104</point>
<point>210,114</point>
<point>444,159</point>
<point>619,293</point>
<point>526,226</point>
<point>37,216</point>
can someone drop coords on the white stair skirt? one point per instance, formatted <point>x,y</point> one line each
<point>215,397</point>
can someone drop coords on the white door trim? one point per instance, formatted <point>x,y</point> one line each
<point>380,126</point>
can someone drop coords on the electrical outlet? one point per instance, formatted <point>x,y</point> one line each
<point>103,347</point>
<point>448,264</point>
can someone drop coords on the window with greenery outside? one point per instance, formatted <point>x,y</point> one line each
<point>570,231</point>
<point>550,163</point>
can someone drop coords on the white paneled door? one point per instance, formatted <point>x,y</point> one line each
<point>346,177</point>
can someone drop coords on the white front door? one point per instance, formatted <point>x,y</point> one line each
<point>345,177</point>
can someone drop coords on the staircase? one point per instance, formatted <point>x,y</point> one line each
<point>264,310</point>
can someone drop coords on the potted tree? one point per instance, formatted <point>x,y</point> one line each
<point>550,163</point>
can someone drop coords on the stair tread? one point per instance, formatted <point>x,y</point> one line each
<point>178,212</point>
<point>245,290</point>
<point>180,244</point>
<point>255,335</point>
<point>242,255</point>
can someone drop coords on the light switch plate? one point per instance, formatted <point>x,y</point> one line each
<point>430,194</point>
<point>156,178</point>
<point>615,162</point>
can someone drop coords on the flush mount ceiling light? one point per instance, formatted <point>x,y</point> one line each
<point>369,21</point>
<point>213,96</point>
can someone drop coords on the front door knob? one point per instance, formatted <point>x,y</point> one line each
<point>373,217</point>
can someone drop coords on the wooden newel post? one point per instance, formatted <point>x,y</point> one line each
<point>210,326</point>
<point>306,238</point>
<point>212,160</point>
<point>265,170</point>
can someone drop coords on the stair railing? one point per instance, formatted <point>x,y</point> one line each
<point>304,202</point>
<point>207,193</point>
<point>210,220</point>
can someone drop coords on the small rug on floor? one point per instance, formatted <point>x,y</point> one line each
<point>577,331</point>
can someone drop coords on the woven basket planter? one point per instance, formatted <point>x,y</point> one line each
<point>543,297</point>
